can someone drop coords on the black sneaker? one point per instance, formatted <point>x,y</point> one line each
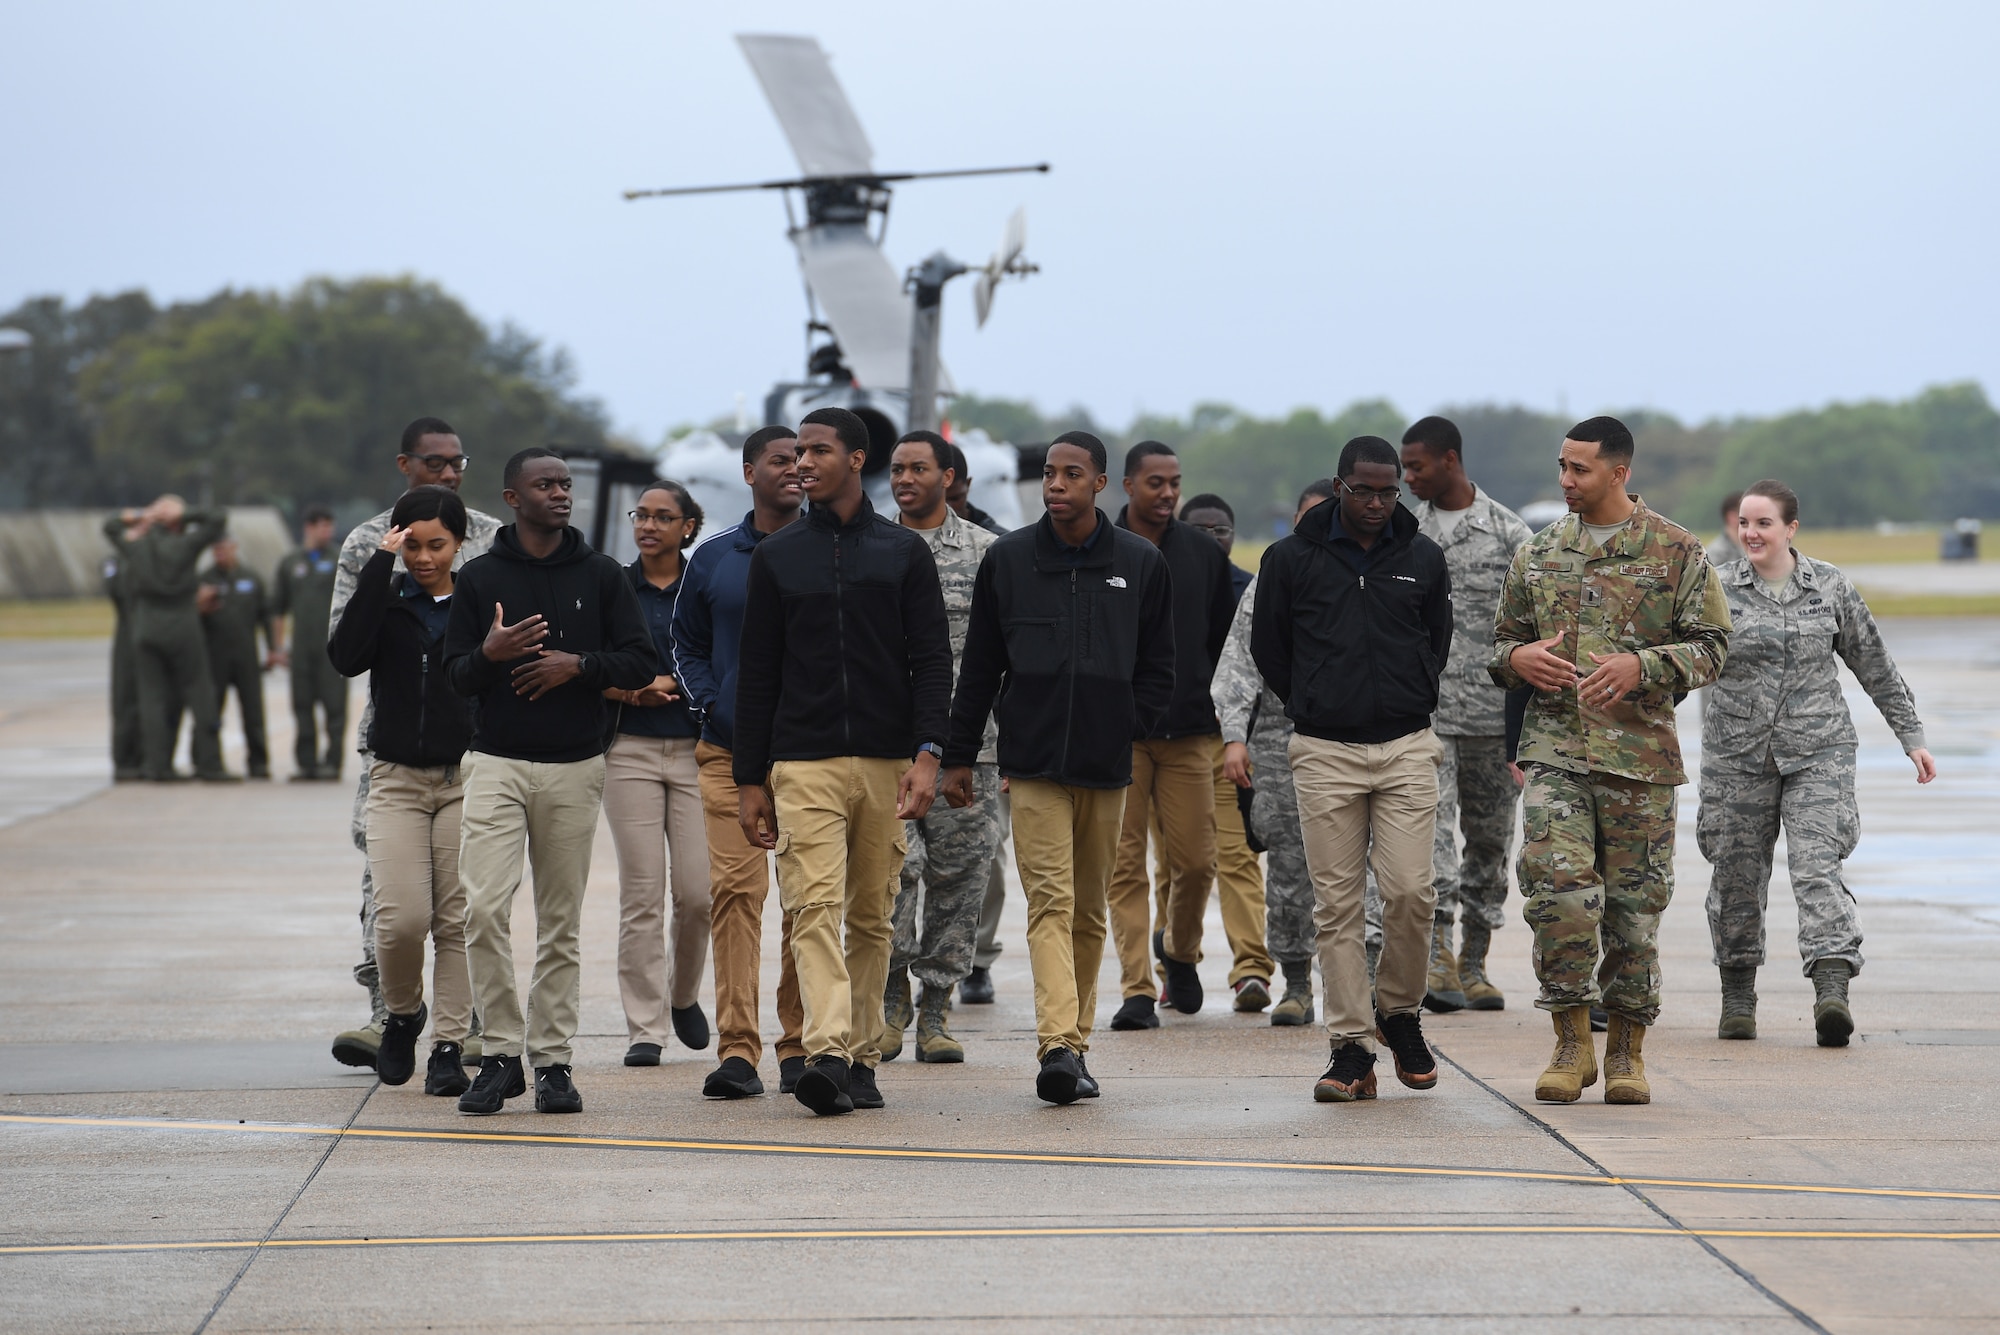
<point>823,1086</point>
<point>1349,1076</point>
<point>789,1071</point>
<point>643,1054</point>
<point>1404,1036</point>
<point>691,1026</point>
<point>1086,1083</point>
<point>1059,1075</point>
<point>445,1075</point>
<point>555,1092</point>
<point>397,1060</point>
<point>1136,1013</point>
<point>977,989</point>
<point>734,1079</point>
<point>1183,981</point>
<point>499,1079</point>
<point>861,1087</point>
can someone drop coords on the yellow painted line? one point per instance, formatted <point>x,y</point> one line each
<point>987,1156</point>
<point>1051,1231</point>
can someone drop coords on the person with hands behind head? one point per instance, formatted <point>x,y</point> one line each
<point>539,627</point>
<point>393,629</point>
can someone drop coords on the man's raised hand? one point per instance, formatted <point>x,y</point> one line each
<point>504,643</point>
<point>1540,668</point>
<point>538,676</point>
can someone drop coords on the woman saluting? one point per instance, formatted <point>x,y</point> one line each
<point>1778,747</point>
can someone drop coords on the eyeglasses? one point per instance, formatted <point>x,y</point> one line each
<point>437,463</point>
<point>659,519</point>
<point>1216,530</point>
<point>1386,495</point>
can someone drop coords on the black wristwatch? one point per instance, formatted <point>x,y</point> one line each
<point>932,748</point>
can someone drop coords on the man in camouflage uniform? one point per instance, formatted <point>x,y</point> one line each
<point>951,849</point>
<point>1475,788</point>
<point>303,593</point>
<point>234,611</point>
<point>430,456</point>
<point>1608,613</point>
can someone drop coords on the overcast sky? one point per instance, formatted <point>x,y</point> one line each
<point>1709,208</point>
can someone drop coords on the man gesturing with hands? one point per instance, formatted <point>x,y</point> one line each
<point>535,770</point>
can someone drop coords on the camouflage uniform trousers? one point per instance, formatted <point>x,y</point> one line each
<point>1476,797</point>
<point>365,972</point>
<point>1289,933</point>
<point>1736,830</point>
<point>1597,865</point>
<point>950,857</point>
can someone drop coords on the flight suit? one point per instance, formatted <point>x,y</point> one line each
<point>240,613</point>
<point>157,570</point>
<point>128,745</point>
<point>303,591</point>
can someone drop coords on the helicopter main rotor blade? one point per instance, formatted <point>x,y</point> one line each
<point>812,109</point>
<point>807,182</point>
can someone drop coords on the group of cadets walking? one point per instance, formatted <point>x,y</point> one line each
<point>872,706</point>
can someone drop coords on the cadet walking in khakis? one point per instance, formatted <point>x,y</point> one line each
<point>1777,748</point>
<point>1608,613</point>
<point>303,593</point>
<point>234,611</point>
<point>158,549</point>
<point>429,454</point>
<point>1476,791</point>
<point>945,873</point>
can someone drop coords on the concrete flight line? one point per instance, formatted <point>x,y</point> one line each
<point>1026,1157</point>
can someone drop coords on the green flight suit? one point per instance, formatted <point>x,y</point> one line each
<point>158,572</point>
<point>241,612</point>
<point>303,591</point>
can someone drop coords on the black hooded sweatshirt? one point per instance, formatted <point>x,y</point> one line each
<point>591,611</point>
<point>1077,647</point>
<point>419,720</point>
<point>1351,640</point>
<point>1204,604</point>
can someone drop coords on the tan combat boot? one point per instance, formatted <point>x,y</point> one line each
<point>896,1014</point>
<point>1443,992</point>
<point>1480,993</point>
<point>1573,1069</point>
<point>934,1040</point>
<point>1624,1066</point>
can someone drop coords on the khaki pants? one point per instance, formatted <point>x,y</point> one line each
<point>1350,793</point>
<point>652,800</point>
<point>413,835</point>
<point>1065,843</point>
<point>1177,779</point>
<point>840,862</point>
<point>739,881</point>
<point>1239,881</point>
<point>553,807</point>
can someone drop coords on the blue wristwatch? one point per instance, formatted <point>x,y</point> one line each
<point>932,748</point>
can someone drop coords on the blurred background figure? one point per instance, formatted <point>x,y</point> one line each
<point>234,611</point>
<point>303,594</point>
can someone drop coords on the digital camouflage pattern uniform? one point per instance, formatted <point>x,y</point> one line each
<point>951,851</point>
<point>1251,714</point>
<point>242,612</point>
<point>1598,849</point>
<point>1777,747</point>
<point>1475,791</point>
<point>361,544</point>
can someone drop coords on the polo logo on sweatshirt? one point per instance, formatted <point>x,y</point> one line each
<point>579,604</point>
<point>1116,582</point>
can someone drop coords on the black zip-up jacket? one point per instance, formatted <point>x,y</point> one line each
<point>1353,641</point>
<point>591,611</point>
<point>1204,598</point>
<point>1080,655</point>
<point>419,720</point>
<point>845,648</point>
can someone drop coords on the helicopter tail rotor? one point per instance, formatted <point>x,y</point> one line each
<point>1006,260</point>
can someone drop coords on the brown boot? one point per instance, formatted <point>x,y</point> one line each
<point>934,1040</point>
<point>1573,1069</point>
<point>897,1012</point>
<point>1624,1065</point>
<point>1480,993</point>
<point>1443,992</point>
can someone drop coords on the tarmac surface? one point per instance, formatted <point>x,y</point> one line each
<point>179,1153</point>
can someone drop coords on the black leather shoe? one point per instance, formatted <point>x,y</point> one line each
<point>789,1071</point>
<point>1086,1083</point>
<point>445,1075</point>
<point>643,1054</point>
<point>500,1079</point>
<point>977,989</point>
<point>1058,1078</point>
<point>734,1079</point>
<point>1136,1013</point>
<point>691,1026</point>
<point>396,1062</point>
<point>555,1092</point>
<point>823,1086</point>
<point>861,1087</point>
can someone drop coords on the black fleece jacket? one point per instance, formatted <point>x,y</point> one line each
<point>1353,641</point>
<point>419,719</point>
<point>1080,655</point>
<point>845,648</point>
<point>591,611</point>
<point>1204,604</point>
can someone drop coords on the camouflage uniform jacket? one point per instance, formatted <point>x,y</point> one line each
<point>1780,695</point>
<point>1650,591</point>
<point>1478,553</point>
<point>1243,703</point>
<point>1722,549</point>
<point>958,545</point>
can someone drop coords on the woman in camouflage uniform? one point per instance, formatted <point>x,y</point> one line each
<point>1778,747</point>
